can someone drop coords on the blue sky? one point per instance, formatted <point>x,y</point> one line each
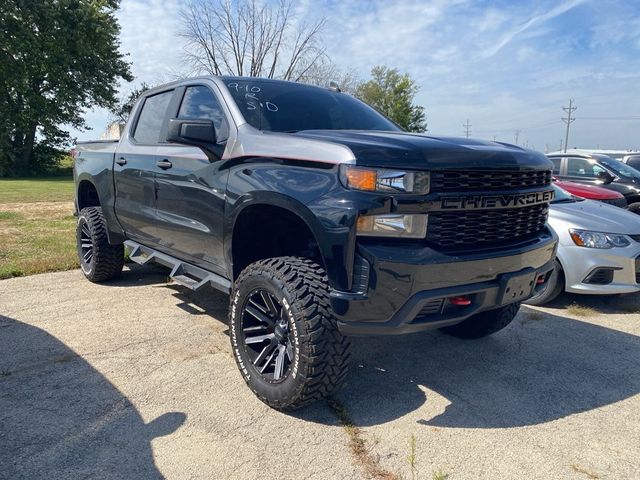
<point>506,66</point>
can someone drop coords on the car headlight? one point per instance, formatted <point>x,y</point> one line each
<point>590,239</point>
<point>384,180</point>
<point>392,225</point>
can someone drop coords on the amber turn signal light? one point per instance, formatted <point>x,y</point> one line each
<point>362,179</point>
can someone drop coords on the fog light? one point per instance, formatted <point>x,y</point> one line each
<point>392,225</point>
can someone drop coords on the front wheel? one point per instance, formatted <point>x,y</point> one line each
<point>483,323</point>
<point>283,334</point>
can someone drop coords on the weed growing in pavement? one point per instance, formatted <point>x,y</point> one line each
<point>361,454</point>
<point>440,476</point>
<point>412,458</point>
<point>581,310</point>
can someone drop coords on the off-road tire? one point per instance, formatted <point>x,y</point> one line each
<point>484,323</point>
<point>555,286</point>
<point>321,353</point>
<point>106,260</point>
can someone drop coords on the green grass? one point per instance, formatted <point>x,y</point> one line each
<point>36,190</point>
<point>37,227</point>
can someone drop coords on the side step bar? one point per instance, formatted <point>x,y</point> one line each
<point>183,273</point>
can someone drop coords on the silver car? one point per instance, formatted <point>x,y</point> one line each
<point>598,249</point>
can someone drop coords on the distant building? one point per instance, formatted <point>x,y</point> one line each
<point>113,131</point>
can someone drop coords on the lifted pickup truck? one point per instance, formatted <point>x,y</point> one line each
<point>320,217</point>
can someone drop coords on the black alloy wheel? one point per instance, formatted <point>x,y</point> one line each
<point>85,245</point>
<point>265,335</point>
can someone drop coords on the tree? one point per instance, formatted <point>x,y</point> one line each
<point>324,73</point>
<point>392,94</point>
<point>124,105</point>
<point>57,58</point>
<point>250,38</point>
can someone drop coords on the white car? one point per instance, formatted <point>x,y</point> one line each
<point>598,248</point>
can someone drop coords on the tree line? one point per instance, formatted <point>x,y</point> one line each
<point>59,58</point>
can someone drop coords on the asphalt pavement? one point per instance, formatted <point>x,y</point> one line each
<point>135,379</point>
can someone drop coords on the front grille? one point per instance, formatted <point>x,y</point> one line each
<point>616,202</point>
<point>463,181</point>
<point>635,237</point>
<point>480,228</point>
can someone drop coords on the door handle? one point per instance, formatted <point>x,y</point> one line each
<point>164,164</point>
<point>121,161</point>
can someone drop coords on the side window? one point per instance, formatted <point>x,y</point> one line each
<point>582,167</point>
<point>556,164</point>
<point>152,118</point>
<point>200,102</point>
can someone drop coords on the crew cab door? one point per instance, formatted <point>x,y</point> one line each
<point>135,166</point>
<point>191,187</point>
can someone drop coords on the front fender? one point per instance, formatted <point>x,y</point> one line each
<point>310,193</point>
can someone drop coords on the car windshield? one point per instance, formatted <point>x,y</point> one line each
<point>562,196</point>
<point>620,168</point>
<point>291,107</point>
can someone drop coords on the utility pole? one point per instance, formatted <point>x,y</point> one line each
<point>467,127</point>
<point>516,134</point>
<point>561,145</point>
<point>568,120</point>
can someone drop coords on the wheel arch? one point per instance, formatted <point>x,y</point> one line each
<point>269,214</point>
<point>87,195</point>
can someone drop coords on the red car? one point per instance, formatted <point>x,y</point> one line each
<point>593,192</point>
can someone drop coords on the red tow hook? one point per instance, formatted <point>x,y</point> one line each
<point>460,301</point>
<point>540,280</point>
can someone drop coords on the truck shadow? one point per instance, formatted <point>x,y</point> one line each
<point>541,368</point>
<point>60,418</point>
<point>537,370</point>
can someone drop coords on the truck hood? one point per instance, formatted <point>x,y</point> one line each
<point>419,151</point>
<point>591,215</point>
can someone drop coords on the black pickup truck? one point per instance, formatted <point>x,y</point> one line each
<point>320,217</point>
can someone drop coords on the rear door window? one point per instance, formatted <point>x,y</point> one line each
<point>151,119</point>
<point>200,103</point>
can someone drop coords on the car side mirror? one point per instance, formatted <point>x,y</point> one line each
<point>196,132</point>
<point>605,177</point>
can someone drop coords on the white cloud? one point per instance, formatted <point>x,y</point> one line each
<point>534,21</point>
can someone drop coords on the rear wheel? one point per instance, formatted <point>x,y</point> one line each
<point>484,323</point>
<point>283,335</point>
<point>99,260</point>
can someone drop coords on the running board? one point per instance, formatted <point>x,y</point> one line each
<point>183,273</point>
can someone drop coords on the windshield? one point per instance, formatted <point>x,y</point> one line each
<point>562,196</point>
<point>620,168</point>
<point>290,107</point>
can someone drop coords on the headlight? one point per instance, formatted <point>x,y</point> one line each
<point>385,180</point>
<point>589,239</point>
<point>392,225</point>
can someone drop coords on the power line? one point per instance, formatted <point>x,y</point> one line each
<point>568,120</point>
<point>467,128</point>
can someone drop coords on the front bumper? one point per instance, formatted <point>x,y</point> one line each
<point>579,262</point>
<point>407,288</point>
